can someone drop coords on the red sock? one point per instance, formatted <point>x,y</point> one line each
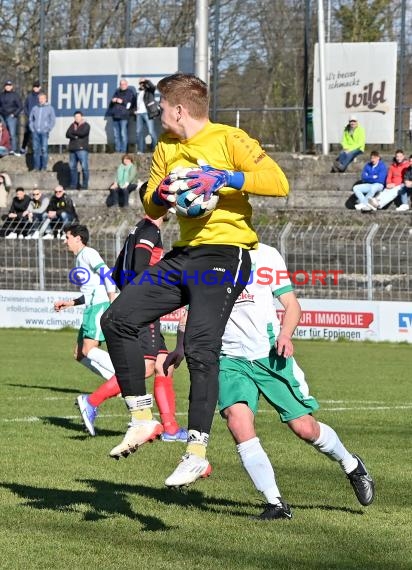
<point>109,389</point>
<point>166,403</point>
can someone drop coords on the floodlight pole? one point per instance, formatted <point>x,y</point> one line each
<point>322,77</point>
<point>201,40</point>
<point>41,50</point>
<point>401,76</point>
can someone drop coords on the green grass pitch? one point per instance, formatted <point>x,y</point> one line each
<point>65,504</point>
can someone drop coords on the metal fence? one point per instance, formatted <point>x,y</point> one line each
<point>371,262</point>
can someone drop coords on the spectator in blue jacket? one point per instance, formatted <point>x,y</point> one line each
<point>10,109</point>
<point>30,101</point>
<point>373,181</point>
<point>42,120</point>
<point>120,108</point>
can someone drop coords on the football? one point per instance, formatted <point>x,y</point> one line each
<point>185,205</point>
<point>197,208</point>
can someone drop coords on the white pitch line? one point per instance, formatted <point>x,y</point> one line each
<point>33,419</point>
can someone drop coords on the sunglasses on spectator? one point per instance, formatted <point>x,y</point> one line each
<point>36,194</point>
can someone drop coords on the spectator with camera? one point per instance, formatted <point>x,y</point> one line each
<point>147,109</point>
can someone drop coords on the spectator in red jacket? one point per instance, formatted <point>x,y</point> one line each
<point>5,146</point>
<point>394,181</point>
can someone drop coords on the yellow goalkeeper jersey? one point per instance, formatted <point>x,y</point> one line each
<point>226,148</point>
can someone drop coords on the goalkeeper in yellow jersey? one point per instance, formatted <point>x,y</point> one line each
<point>207,268</point>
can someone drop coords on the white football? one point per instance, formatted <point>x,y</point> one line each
<point>197,208</point>
<point>184,203</point>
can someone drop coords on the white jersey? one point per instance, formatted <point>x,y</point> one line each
<point>95,283</point>
<point>253,324</point>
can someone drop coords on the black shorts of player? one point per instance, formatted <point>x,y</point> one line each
<point>208,278</point>
<point>151,341</point>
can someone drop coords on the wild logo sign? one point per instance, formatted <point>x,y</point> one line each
<point>370,98</point>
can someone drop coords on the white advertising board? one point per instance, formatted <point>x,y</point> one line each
<point>34,309</point>
<point>361,81</point>
<point>85,80</point>
<point>321,319</point>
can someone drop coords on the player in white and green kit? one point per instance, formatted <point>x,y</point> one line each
<point>97,292</point>
<point>257,358</point>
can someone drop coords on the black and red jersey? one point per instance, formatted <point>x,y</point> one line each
<point>143,247</point>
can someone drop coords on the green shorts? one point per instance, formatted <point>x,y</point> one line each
<point>90,327</point>
<point>279,379</point>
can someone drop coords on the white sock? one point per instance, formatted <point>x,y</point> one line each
<point>102,358</point>
<point>96,368</point>
<point>330,445</point>
<point>259,469</point>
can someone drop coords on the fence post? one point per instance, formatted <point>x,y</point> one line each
<point>283,236</point>
<point>40,247</point>
<point>118,244</point>
<point>369,259</point>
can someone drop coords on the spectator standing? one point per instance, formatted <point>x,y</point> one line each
<point>373,181</point>
<point>60,211</point>
<point>394,181</point>
<point>30,101</point>
<point>5,185</point>
<point>119,109</point>
<point>353,143</point>
<point>10,109</point>
<point>36,212</point>
<point>147,110</point>
<point>78,135</point>
<point>42,120</point>
<point>126,182</point>
<point>17,216</point>
<point>5,145</point>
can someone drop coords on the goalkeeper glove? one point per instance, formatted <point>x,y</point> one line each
<point>164,195</point>
<point>208,181</point>
<point>232,179</point>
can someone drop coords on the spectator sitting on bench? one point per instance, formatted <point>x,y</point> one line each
<point>353,144</point>
<point>37,211</point>
<point>373,181</point>
<point>126,182</point>
<point>394,181</point>
<point>5,185</point>
<point>60,211</point>
<point>406,188</point>
<point>17,218</point>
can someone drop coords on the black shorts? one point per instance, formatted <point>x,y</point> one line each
<point>151,341</point>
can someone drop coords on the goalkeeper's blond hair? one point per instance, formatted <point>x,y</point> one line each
<point>186,90</point>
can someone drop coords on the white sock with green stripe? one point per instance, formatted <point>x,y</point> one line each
<point>330,445</point>
<point>102,358</point>
<point>259,469</point>
<point>96,368</point>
